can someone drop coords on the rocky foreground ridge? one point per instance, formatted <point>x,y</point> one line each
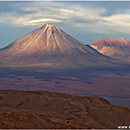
<point>42,109</point>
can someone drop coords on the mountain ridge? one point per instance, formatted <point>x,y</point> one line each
<point>48,44</point>
<point>118,48</point>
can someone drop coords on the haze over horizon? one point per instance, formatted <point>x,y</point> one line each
<point>85,21</point>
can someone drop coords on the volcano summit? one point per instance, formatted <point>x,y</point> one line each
<point>49,45</point>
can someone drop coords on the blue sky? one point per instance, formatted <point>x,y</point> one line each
<point>85,21</point>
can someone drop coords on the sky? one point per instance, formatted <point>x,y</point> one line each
<point>86,21</point>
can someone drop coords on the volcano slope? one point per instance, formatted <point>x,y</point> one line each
<point>50,45</point>
<point>42,109</point>
<point>118,48</point>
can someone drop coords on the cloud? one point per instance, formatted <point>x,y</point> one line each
<point>86,15</point>
<point>56,10</point>
<point>117,23</point>
<point>34,22</point>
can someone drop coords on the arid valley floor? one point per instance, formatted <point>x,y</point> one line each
<point>104,82</point>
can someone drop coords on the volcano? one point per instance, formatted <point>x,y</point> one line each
<point>118,48</point>
<point>49,45</point>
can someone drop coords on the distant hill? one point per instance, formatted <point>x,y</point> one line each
<point>118,48</point>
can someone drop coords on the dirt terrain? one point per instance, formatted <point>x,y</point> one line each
<point>42,109</point>
<point>76,81</point>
